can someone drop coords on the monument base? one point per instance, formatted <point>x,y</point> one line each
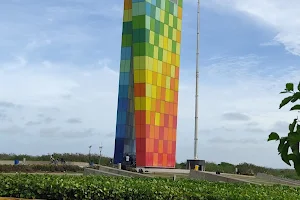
<point>190,164</point>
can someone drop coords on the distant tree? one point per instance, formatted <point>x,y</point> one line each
<point>288,146</point>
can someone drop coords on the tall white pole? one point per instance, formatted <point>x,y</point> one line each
<point>197,82</point>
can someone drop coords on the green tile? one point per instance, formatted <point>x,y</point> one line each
<point>142,49</point>
<point>157,26</point>
<point>170,33</point>
<point>147,35</point>
<point>166,18</point>
<point>150,50</point>
<point>174,46</point>
<point>153,11</point>
<point>142,8</point>
<point>127,28</point>
<point>180,3</point>
<point>139,22</point>
<point>136,49</point>
<point>158,3</point>
<point>152,24</point>
<point>126,40</point>
<point>175,22</point>
<point>167,8</point>
<point>136,35</point>
<point>156,39</point>
<point>160,54</point>
<point>162,28</point>
<point>171,8</point>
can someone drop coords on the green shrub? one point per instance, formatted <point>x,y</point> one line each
<point>108,188</point>
<point>39,168</point>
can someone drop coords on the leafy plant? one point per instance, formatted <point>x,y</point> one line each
<point>39,168</point>
<point>288,147</point>
<point>111,188</point>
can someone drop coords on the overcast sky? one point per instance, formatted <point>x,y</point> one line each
<point>59,63</point>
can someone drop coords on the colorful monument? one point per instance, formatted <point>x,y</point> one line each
<point>148,83</point>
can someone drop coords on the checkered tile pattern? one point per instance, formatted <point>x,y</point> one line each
<point>149,78</point>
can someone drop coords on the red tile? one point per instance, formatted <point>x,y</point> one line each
<point>149,159</point>
<point>147,131</point>
<point>175,122</point>
<point>160,159</point>
<point>165,146</point>
<point>140,159</point>
<point>156,145</point>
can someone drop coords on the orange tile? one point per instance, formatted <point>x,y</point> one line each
<point>150,145</point>
<point>158,105</point>
<point>160,146</point>
<point>152,118</point>
<point>175,97</point>
<point>153,105</point>
<point>175,109</point>
<point>172,84</point>
<point>170,121</point>
<point>166,132</point>
<point>170,134</point>
<point>167,108</point>
<point>163,81</point>
<point>163,93</point>
<point>173,59</point>
<point>179,12</point>
<point>152,131</point>
<point>155,159</point>
<point>164,68</point>
<point>154,78</point>
<point>169,147</point>
<point>156,133</point>
<point>162,120</point>
<point>165,160</point>
<point>158,93</point>
<point>178,36</point>
<point>177,72</point>
<point>162,106</point>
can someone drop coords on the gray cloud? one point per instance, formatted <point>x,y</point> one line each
<point>221,140</point>
<point>280,127</point>
<point>49,132</point>
<point>12,130</point>
<point>79,134</point>
<point>33,123</point>
<point>48,120</point>
<point>7,104</point>
<point>234,116</point>
<point>74,121</point>
<point>255,130</point>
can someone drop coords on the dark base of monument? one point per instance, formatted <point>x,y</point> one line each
<point>190,164</point>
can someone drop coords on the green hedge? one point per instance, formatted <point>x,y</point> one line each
<point>108,188</point>
<point>39,168</point>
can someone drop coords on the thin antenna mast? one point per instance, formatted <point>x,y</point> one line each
<point>197,80</point>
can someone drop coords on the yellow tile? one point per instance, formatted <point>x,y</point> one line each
<point>168,95</point>
<point>155,53</point>
<point>179,21</point>
<point>170,20</point>
<point>169,61</point>
<point>148,90</point>
<point>153,105</point>
<point>148,103</point>
<point>169,45</point>
<point>155,65</point>
<point>159,76</point>
<point>165,55</point>
<point>168,82</point>
<point>162,15</point>
<point>137,103</point>
<point>150,64</point>
<point>166,30</point>
<point>158,91</point>
<point>174,34</point>
<point>163,83</point>
<point>178,48</point>
<point>157,119</point>
<point>172,71</point>
<point>143,103</point>
<point>151,39</point>
<point>148,115</point>
<point>177,60</point>
<point>149,76</point>
<point>153,92</point>
<point>159,67</point>
<point>161,41</point>
<point>165,43</point>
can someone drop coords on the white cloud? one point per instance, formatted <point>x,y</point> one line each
<point>282,17</point>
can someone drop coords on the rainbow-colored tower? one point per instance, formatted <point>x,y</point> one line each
<point>148,84</point>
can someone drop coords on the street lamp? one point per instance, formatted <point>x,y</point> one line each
<point>100,150</point>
